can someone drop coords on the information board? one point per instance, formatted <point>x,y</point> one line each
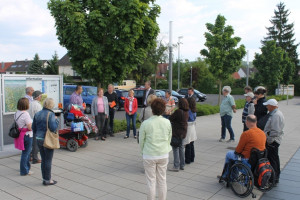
<point>14,88</point>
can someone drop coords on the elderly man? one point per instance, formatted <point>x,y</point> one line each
<point>227,108</point>
<point>274,133</point>
<point>76,97</point>
<point>252,138</point>
<point>35,106</point>
<point>147,92</point>
<point>112,98</point>
<point>29,91</point>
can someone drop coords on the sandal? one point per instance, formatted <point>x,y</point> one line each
<point>103,138</point>
<point>49,183</point>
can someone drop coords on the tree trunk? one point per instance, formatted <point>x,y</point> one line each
<point>154,81</point>
<point>220,90</point>
<point>99,84</point>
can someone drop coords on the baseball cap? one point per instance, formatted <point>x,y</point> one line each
<point>36,94</point>
<point>271,102</point>
<point>249,94</point>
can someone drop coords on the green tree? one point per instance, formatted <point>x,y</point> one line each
<point>106,40</point>
<point>36,66</point>
<point>52,68</point>
<point>283,33</point>
<point>271,64</point>
<point>222,53</point>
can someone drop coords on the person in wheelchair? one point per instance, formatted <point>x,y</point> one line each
<point>252,138</point>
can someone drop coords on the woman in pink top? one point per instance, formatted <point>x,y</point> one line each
<point>24,122</point>
<point>100,113</point>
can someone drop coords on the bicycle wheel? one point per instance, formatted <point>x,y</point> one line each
<point>241,180</point>
<point>270,184</point>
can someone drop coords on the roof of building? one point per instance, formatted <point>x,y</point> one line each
<point>162,68</point>
<point>251,70</point>
<point>4,66</point>
<point>236,75</point>
<point>21,66</point>
<point>64,61</point>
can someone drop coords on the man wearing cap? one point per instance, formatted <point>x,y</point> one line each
<point>35,106</point>
<point>274,133</point>
<point>248,108</point>
<point>227,108</point>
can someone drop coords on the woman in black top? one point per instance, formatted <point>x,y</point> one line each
<point>260,109</point>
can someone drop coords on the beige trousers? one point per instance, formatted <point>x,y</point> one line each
<point>156,172</point>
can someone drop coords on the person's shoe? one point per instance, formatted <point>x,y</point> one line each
<point>230,140</point>
<point>112,135</point>
<point>135,137</point>
<point>187,162</point>
<point>49,183</point>
<point>30,172</point>
<point>125,137</point>
<point>181,168</point>
<point>38,161</point>
<point>103,138</point>
<point>221,140</point>
<point>173,169</point>
<point>30,159</point>
<point>222,180</point>
<point>96,138</point>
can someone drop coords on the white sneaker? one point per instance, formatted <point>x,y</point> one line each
<point>230,140</point>
<point>30,172</point>
<point>221,140</point>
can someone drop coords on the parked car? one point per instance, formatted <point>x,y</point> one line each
<point>138,94</point>
<point>201,97</point>
<point>122,94</point>
<point>162,94</point>
<point>88,94</point>
<point>175,94</point>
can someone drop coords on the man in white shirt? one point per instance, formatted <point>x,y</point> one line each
<point>29,91</point>
<point>35,106</point>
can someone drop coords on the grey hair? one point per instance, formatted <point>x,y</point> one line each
<point>49,103</point>
<point>251,118</point>
<point>227,89</point>
<point>110,85</point>
<point>151,98</point>
<point>28,89</point>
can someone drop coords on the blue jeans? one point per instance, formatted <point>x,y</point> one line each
<point>230,155</point>
<point>25,156</point>
<point>226,123</point>
<point>178,154</point>
<point>46,155</point>
<point>133,118</point>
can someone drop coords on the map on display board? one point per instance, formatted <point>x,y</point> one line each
<point>14,89</point>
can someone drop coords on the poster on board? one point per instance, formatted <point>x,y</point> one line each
<point>14,89</point>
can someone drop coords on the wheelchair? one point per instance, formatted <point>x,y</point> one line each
<point>242,177</point>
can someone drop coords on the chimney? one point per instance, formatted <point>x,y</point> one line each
<point>2,66</point>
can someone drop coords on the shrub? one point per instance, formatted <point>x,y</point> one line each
<point>240,103</point>
<point>279,97</point>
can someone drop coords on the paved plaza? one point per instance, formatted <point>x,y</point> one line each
<point>113,170</point>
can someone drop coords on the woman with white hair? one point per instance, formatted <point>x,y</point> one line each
<point>227,108</point>
<point>42,120</point>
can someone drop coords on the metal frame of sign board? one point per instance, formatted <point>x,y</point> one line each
<point>20,77</point>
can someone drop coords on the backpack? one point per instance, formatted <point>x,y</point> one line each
<point>263,172</point>
<point>14,131</point>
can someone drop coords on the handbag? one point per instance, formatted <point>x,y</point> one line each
<point>51,139</point>
<point>176,142</point>
<point>14,131</point>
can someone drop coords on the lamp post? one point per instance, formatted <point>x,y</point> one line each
<point>180,37</point>
<point>191,76</point>
<point>170,56</point>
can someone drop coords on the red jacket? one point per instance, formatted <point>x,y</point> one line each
<point>134,105</point>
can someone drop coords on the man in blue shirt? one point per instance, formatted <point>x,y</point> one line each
<point>227,108</point>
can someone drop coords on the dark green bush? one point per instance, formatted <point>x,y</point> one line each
<point>279,97</point>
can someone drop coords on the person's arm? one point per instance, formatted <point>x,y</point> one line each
<point>134,106</point>
<point>243,141</point>
<point>33,127</point>
<point>142,136</point>
<point>93,108</point>
<point>53,122</point>
<point>276,126</point>
<point>232,103</point>
<point>106,106</point>
<point>28,121</point>
<point>251,109</point>
<point>126,106</point>
<point>116,100</point>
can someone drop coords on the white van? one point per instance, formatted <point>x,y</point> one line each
<point>125,85</point>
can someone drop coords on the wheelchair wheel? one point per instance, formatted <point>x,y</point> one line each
<point>241,180</point>
<point>72,145</point>
<point>270,184</point>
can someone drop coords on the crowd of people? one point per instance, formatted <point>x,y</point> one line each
<point>164,127</point>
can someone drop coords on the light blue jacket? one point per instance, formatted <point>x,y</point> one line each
<point>95,106</point>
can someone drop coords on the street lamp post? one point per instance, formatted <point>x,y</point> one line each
<point>191,76</point>
<point>170,56</point>
<point>179,61</point>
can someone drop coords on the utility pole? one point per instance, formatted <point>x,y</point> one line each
<point>180,37</point>
<point>170,56</point>
<point>191,76</point>
<point>247,77</point>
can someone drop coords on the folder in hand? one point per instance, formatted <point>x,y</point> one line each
<point>113,104</point>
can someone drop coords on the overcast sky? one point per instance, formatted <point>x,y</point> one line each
<point>26,26</point>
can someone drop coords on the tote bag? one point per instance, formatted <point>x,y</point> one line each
<point>51,139</point>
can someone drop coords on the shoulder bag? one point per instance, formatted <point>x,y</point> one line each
<point>51,139</point>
